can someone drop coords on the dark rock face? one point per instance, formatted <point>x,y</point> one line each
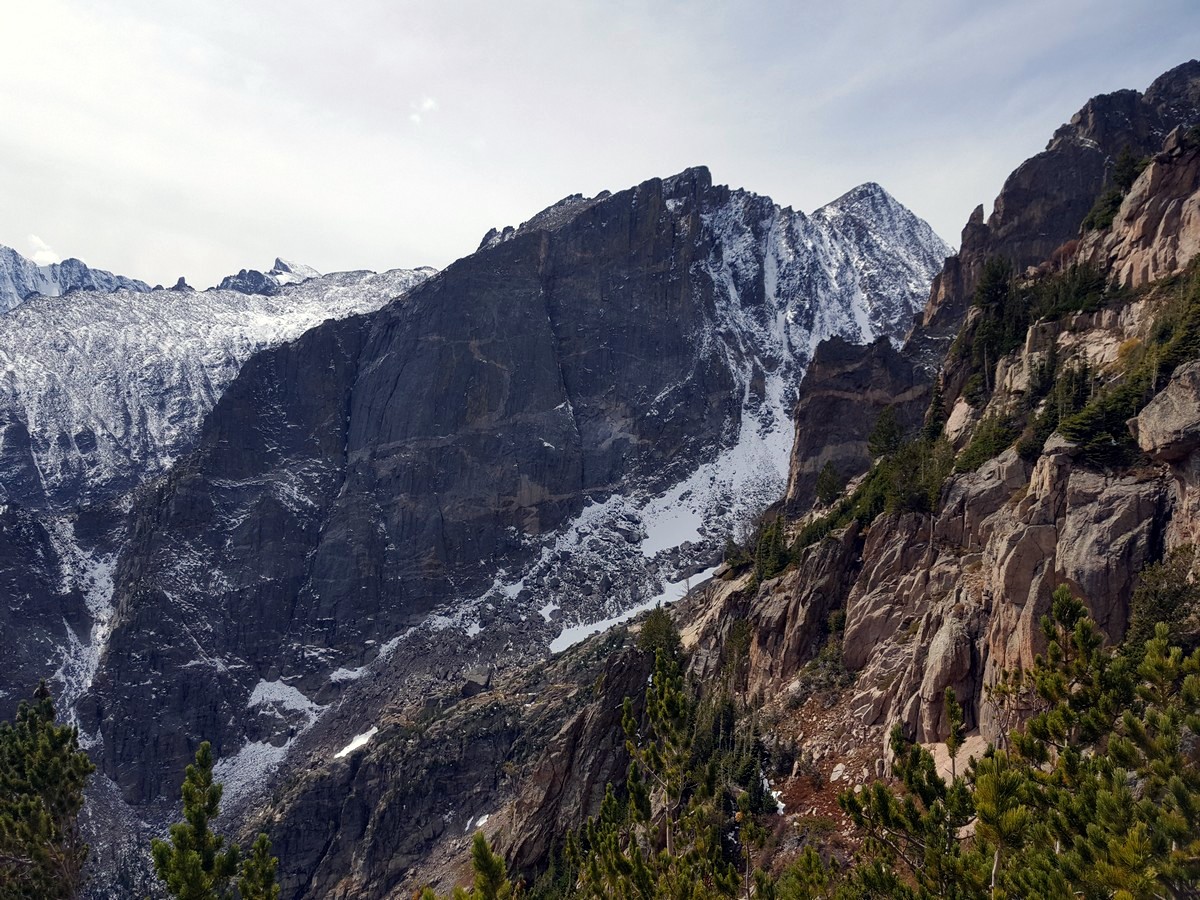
<point>38,604</point>
<point>249,281</point>
<point>870,378</point>
<point>382,467</point>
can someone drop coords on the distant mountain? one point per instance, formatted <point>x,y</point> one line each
<point>100,391</point>
<point>252,281</point>
<point>21,278</point>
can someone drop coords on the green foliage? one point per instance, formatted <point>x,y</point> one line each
<point>1099,426</point>
<point>193,865</point>
<point>663,837</point>
<point>1003,319</point>
<point>196,864</point>
<point>771,554</point>
<point>913,838</point>
<point>1125,171</point>
<point>42,777</point>
<point>910,479</point>
<point>658,633</point>
<point>935,416</point>
<point>257,879</point>
<point>1098,795</point>
<point>993,435</point>
<point>1007,308</point>
<point>766,549</point>
<point>886,435</point>
<point>491,879</point>
<point>1166,593</point>
<point>829,484</point>
<point>1070,391</point>
<point>1127,168</point>
<point>1104,210</point>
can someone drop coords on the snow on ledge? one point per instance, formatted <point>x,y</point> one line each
<point>358,741</point>
<point>674,590</point>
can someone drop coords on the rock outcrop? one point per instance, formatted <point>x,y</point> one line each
<point>21,279</point>
<point>1044,201</point>
<point>1157,229</point>
<point>842,376</point>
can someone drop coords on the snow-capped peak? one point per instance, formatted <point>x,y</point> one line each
<point>287,272</point>
<point>104,390</point>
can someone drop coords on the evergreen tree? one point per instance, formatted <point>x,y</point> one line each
<point>42,777</point>
<point>829,484</point>
<point>886,435</point>
<point>491,880</point>
<point>193,865</point>
<point>257,879</point>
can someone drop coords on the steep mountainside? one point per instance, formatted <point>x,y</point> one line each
<point>1046,198</point>
<point>940,582</point>
<point>947,589</point>
<point>556,428</point>
<point>21,278</point>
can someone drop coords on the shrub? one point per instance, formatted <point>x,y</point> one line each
<point>993,435</point>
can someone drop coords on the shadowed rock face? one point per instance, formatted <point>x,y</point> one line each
<point>870,379</point>
<point>386,466</point>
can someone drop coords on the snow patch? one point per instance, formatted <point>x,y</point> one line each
<point>357,742</point>
<point>248,769</point>
<point>673,591</point>
<point>280,694</point>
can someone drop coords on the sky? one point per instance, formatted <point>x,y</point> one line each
<point>158,138</point>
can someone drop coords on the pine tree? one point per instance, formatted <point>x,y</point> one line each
<point>829,484</point>
<point>193,865</point>
<point>257,878</point>
<point>886,435</point>
<point>42,777</point>
<point>491,880</point>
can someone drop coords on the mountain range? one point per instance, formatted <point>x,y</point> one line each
<point>360,530</point>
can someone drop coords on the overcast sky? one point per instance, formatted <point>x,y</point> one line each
<point>159,138</point>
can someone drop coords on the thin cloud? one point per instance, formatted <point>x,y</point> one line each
<point>41,252</point>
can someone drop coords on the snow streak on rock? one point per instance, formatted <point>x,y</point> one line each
<point>91,574</point>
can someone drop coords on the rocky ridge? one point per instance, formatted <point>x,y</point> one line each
<point>21,279</point>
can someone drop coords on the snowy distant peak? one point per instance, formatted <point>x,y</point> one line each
<point>253,281</point>
<point>102,390</point>
<point>870,207</point>
<point>21,278</point>
<point>287,272</point>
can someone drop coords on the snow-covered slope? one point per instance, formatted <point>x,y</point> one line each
<point>20,278</point>
<point>99,391</point>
